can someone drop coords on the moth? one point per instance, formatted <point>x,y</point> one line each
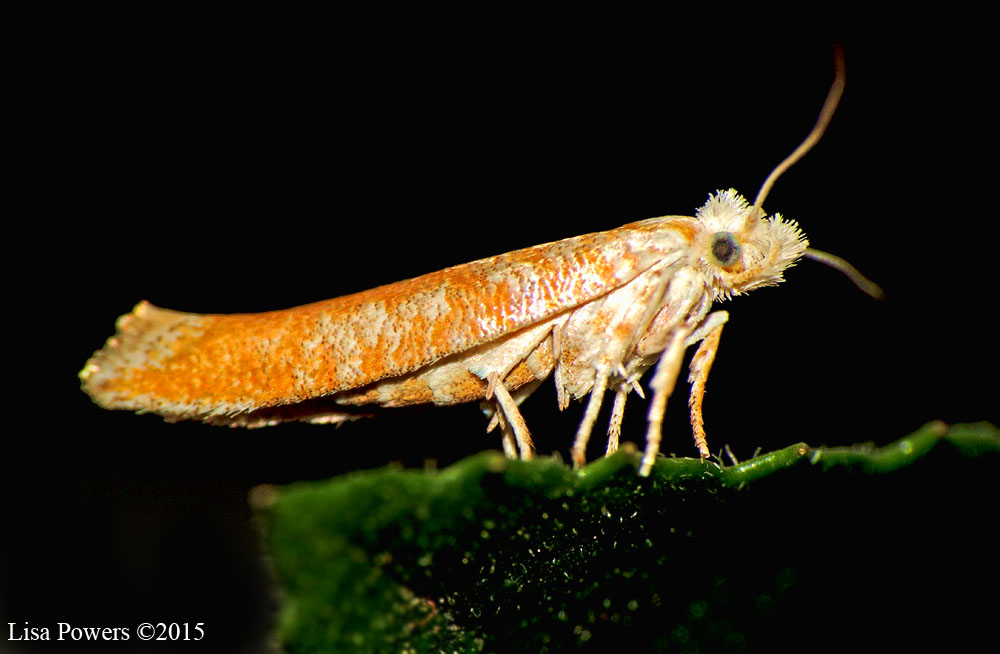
<point>595,312</point>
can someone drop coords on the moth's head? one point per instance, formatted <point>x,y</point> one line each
<point>740,248</point>
<point>739,251</point>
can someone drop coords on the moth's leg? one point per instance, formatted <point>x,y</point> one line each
<point>701,363</point>
<point>590,415</point>
<point>507,437</point>
<point>509,442</point>
<point>492,409</point>
<point>528,353</point>
<point>708,324</point>
<point>524,392</point>
<point>558,374</point>
<point>617,413</point>
<point>511,416</point>
<point>616,347</point>
<point>630,375</point>
<point>662,384</point>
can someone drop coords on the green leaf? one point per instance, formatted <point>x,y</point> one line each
<point>493,554</point>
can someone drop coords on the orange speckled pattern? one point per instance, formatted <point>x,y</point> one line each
<point>183,365</point>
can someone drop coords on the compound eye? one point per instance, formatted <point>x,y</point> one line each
<point>725,249</point>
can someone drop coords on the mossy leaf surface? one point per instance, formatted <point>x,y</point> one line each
<point>493,554</point>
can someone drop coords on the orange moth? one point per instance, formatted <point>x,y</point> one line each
<point>595,312</point>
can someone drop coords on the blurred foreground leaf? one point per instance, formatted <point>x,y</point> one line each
<point>808,545</point>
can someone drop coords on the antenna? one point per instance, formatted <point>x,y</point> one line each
<point>822,122</point>
<point>825,114</point>
<point>853,274</point>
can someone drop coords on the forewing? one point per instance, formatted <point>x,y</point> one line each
<point>195,366</point>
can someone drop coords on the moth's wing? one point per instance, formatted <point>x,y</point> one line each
<point>184,365</point>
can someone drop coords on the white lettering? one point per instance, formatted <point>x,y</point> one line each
<point>92,633</point>
<point>27,632</point>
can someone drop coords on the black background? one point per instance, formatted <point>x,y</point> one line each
<point>236,164</point>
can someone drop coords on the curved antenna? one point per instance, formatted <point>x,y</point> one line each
<point>822,122</point>
<point>853,274</point>
<point>825,114</point>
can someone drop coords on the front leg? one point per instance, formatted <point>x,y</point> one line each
<point>701,363</point>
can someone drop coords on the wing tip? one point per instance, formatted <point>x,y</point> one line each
<point>127,349</point>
